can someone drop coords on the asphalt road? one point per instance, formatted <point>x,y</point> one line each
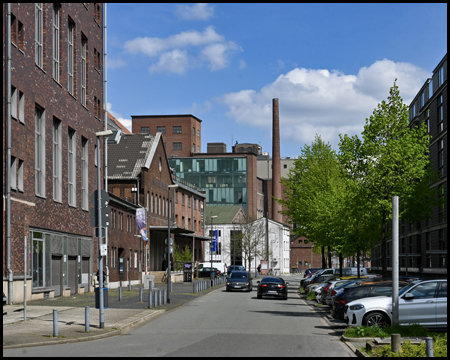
<point>218,324</point>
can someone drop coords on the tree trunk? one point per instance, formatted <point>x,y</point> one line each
<point>324,264</point>
<point>341,260</point>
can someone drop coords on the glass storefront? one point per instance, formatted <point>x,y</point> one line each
<point>224,179</point>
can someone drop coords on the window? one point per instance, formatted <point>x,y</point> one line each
<point>177,146</point>
<point>193,148</point>
<point>441,157</point>
<point>428,241</point>
<point>442,242</point>
<point>427,120</point>
<point>14,102</point>
<point>71,57</point>
<point>135,259</point>
<point>97,60</point>
<point>13,30</point>
<point>56,13</point>
<point>71,169</point>
<point>39,144</point>
<point>440,113</point>
<point>13,172</point>
<point>21,107</point>
<point>20,176</point>
<point>424,291</point>
<point>430,89</point>
<point>198,133</point>
<point>422,100</point>
<point>84,174</point>
<point>145,130</point>
<point>441,76</point>
<point>177,129</point>
<point>161,129</point>
<point>84,76</point>
<point>39,35</point>
<point>57,160</point>
<point>414,111</point>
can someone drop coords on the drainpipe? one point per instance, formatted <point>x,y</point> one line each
<point>8,154</point>
<point>106,128</point>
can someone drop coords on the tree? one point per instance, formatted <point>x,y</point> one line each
<point>390,159</point>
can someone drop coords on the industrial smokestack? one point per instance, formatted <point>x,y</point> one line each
<point>276,167</point>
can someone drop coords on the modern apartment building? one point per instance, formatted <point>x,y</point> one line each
<point>423,245</point>
<point>52,105</point>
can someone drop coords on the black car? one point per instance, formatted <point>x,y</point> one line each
<point>239,280</point>
<point>206,272</point>
<point>234,268</point>
<point>272,286</point>
<point>378,288</point>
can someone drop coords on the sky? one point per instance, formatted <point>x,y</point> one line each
<point>329,65</point>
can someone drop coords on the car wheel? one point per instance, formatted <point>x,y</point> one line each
<point>376,319</point>
<point>285,298</point>
<point>259,296</point>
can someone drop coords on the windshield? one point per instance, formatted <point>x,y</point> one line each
<point>272,280</point>
<point>238,275</point>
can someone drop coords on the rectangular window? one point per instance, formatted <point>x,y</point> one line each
<point>177,129</point>
<point>193,131</point>
<point>161,129</point>
<point>145,130</point>
<point>14,102</point>
<point>39,144</point>
<point>71,56</point>
<point>13,172</point>
<point>177,146</point>
<point>441,76</point>
<point>440,113</point>
<point>441,157</point>
<point>422,100</point>
<point>428,241</point>
<point>39,35</point>
<point>13,30</point>
<point>57,160</point>
<point>56,12</point>
<point>135,259</point>
<point>20,176</point>
<point>430,89</point>
<point>71,167</point>
<point>84,174</point>
<point>84,79</point>
<point>21,107</point>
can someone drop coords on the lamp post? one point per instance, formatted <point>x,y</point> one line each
<point>99,228</point>
<point>169,278</point>
<point>212,234</point>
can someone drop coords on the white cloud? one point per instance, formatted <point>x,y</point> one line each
<point>115,63</point>
<point>324,102</point>
<point>176,53</point>
<point>195,12</point>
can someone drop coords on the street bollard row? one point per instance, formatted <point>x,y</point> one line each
<point>201,285</point>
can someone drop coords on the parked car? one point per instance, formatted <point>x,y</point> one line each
<point>364,290</point>
<point>306,277</point>
<point>310,271</point>
<point>272,286</point>
<point>316,285</point>
<point>234,268</point>
<point>328,287</point>
<point>206,272</point>
<point>423,303</point>
<point>239,280</point>
<point>341,286</point>
<point>218,265</point>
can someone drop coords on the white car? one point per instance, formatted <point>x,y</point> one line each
<point>423,303</point>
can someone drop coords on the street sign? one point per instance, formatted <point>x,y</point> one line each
<point>106,211</point>
<point>170,241</point>
<point>171,250</point>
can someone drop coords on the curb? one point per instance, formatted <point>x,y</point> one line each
<point>108,333</point>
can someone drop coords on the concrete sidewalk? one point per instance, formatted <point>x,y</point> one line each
<point>119,316</point>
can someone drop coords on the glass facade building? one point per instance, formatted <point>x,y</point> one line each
<point>223,178</point>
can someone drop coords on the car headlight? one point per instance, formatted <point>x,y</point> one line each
<point>357,307</point>
<point>228,283</point>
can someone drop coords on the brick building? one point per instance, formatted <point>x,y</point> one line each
<point>52,106</point>
<point>302,256</point>
<point>423,245</point>
<point>182,134</point>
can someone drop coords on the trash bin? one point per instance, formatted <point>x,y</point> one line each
<point>187,272</point>
<point>97,298</point>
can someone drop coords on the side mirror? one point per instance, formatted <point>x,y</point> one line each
<point>408,296</point>
<point>258,282</point>
<point>287,283</point>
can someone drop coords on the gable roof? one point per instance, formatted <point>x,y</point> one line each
<point>226,214</point>
<point>134,151</point>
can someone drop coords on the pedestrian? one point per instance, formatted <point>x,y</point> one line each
<point>259,269</point>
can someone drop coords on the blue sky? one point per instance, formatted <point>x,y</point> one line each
<point>328,64</point>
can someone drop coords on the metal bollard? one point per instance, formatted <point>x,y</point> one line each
<point>140,294</point>
<point>149,298</point>
<point>120,293</point>
<point>159,297</point>
<point>150,285</point>
<point>396,343</point>
<point>55,322</point>
<point>155,299</point>
<point>429,346</point>
<point>193,287</point>
<point>129,285</point>
<point>164,296</point>
<point>86,319</point>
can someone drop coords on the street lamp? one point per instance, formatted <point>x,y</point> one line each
<point>169,278</point>
<point>99,225</point>
<point>212,234</point>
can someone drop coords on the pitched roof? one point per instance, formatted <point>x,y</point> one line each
<point>226,214</point>
<point>134,151</point>
<point>118,123</point>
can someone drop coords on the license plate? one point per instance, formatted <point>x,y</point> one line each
<point>272,292</point>
<point>237,287</point>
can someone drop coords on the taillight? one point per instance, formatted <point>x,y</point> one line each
<point>326,289</point>
<point>263,285</point>
<point>282,286</point>
<point>333,293</point>
<point>341,302</point>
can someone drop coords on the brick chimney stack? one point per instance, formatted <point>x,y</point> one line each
<point>276,167</point>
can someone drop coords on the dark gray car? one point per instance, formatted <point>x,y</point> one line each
<point>239,280</point>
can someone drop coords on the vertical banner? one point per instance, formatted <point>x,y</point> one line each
<point>215,242</point>
<point>141,223</point>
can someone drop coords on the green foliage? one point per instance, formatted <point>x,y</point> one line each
<point>414,330</point>
<point>311,295</point>
<point>181,256</point>
<point>364,331</point>
<point>413,350</point>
